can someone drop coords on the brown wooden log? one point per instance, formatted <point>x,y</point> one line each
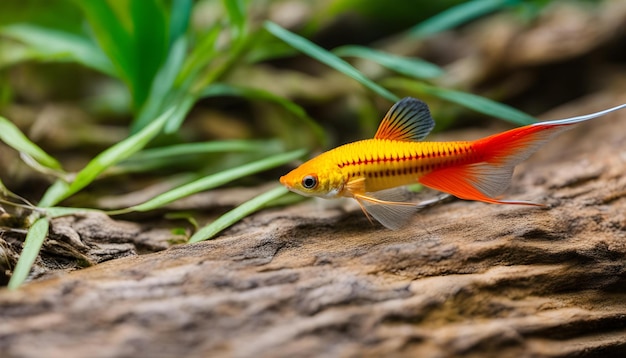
<point>464,278</point>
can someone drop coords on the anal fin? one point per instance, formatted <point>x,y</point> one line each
<point>479,181</point>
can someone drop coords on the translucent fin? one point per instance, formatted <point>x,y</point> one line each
<point>387,207</point>
<point>392,217</point>
<point>408,120</point>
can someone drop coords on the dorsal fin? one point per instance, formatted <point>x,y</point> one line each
<point>408,120</point>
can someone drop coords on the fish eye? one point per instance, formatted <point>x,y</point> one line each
<point>309,181</point>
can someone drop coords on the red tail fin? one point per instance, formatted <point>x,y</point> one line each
<point>516,145</point>
<point>500,153</point>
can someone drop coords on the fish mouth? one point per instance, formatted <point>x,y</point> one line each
<point>283,180</point>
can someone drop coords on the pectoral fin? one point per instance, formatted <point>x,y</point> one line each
<point>387,208</point>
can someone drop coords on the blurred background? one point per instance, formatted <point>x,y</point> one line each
<point>78,78</point>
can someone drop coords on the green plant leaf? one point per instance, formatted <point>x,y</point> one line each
<point>201,55</point>
<point>106,159</point>
<point>327,57</point>
<point>237,14</point>
<point>175,154</point>
<point>203,148</point>
<point>412,67</point>
<point>272,48</point>
<point>213,181</point>
<point>240,212</point>
<point>46,44</point>
<point>34,239</point>
<point>13,137</point>
<point>458,15</point>
<point>185,103</point>
<point>179,19</point>
<point>150,39</point>
<point>472,101</point>
<point>162,93</point>
<point>53,193</point>
<point>221,89</point>
<point>113,38</point>
<point>58,211</point>
<point>134,36</point>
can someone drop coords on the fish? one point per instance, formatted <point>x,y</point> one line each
<point>371,170</point>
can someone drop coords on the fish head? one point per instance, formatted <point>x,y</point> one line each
<point>315,179</point>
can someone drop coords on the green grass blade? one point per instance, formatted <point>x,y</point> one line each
<point>482,105</point>
<point>214,180</point>
<point>328,58</point>
<point>179,19</point>
<point>150,38</point>
<point>237,14</point>
<point>53,193</point>
<point>106,159</point>
<point>220,89</point>
<point>412,67</point>
<point>471,101</point>
<point>36,166</point>
<point>162,92</point>
<point>162,86</point>
<point>178,117</point>
<point>458,15</point>
<point>177,155</point>
<point>58,211</point>
<point>201,55</point>
<point>34,239</point>
<point>119,152</point>
<point>114,39</point>
<point>270,51</point>
<point>240,212</point>
<point>134,35</point>
<point>203,148</point>
<point>13,137</point>
<point>52,45</point>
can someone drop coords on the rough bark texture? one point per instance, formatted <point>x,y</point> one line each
<point>464,279</point>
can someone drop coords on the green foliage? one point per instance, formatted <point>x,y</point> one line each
<point>146,46</point>
<point>120,151</point>
<point>37,233</point>
<point>12,136</point>
<point>134,36</point>
<point>240,212</point>
<point>42,44</point>
<point>458,15</point>
<point>166,67</point>
<point>410,67</point>
<point>418,69</point>
<point>258,94</point>
<point>171,155</point>
<point>327,57</point>
<point>469,100</point>
<point>215,180</point>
